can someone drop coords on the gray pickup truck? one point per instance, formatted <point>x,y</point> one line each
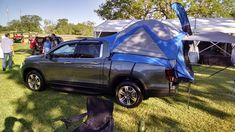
<point>87,66</point>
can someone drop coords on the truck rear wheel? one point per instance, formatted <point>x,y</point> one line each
<point>128,94</point>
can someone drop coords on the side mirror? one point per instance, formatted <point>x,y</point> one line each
<point>49,56</point>
<point>110,56</point>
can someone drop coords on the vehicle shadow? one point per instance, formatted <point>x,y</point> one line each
<point>220,91</point>
<point>153,120</point>
<point>11,121</point>
<point>45,109</point>
<point>198,104</point>
<point>14,74</point>
<point>23,51</point>
<point>167,123</point>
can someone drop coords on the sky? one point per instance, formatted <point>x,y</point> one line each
<point>74,10</point>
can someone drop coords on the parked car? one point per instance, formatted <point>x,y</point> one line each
<point>36,44</point>
<point>18,38</point>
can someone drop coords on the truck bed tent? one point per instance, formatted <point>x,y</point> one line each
<point>151,42</point>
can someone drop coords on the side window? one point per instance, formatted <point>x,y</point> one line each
<point>89,50</point>
<point>66,51</point>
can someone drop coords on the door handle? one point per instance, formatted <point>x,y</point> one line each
<point>94,63</point>
<point>67,62</point>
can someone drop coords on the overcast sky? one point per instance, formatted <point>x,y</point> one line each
<point>74,10</point>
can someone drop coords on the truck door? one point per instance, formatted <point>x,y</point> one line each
<point>88,68</point>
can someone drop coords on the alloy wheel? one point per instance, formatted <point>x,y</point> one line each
<point>34,82</point>
<point>127,95</point>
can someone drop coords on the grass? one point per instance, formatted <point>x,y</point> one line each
<point>211,104</point>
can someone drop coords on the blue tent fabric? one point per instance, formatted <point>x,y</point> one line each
<point>172,48</point>
<point>142,59</point>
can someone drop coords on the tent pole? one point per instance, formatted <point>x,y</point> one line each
<point>215,44</point>
<point>233,86</point>
<point>206,48</point>
<point>189,92</point>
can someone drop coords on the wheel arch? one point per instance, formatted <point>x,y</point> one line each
<point>26,71</point>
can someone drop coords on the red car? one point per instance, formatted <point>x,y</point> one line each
<point>18,38</point>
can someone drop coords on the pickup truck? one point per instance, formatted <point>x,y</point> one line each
<point>87,66</point>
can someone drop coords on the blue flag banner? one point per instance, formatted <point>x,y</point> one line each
<point>182,15</point>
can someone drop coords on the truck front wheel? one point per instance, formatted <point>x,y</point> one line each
<point>128,94</point>
<point>34,81</point>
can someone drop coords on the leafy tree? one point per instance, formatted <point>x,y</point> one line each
<point>49,26</point>
<point>14,25</point>
<point>3,29</point>
<point>63,27</point>
<point>119,9</point>
<point>210,8</point>
<point>233,10</point>
<point>26,23</point>
<point>83,29</point>
<point>30,23</point>
<point>145,9</point>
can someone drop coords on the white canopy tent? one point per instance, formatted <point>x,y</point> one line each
<point>214,30</point>
<point>198,25</point>
<point>214,38</point>
<point>112,26</point>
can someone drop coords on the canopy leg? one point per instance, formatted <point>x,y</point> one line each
<point>189,93</point>
<point>234,86</point>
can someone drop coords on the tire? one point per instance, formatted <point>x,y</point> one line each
<point>35,81</point>
<point>128,94</point>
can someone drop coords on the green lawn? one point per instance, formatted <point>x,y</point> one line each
<point>211,106</point>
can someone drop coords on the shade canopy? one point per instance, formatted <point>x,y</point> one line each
<point>199,25</point>
<point>212,37</point>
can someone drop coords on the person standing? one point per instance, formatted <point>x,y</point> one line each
<point>47,45</point>
<point>8,52</point>
<point>1,52</point>
<point>54,40</point>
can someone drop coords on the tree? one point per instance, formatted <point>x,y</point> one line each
<point>63,27</point>
<point>210,8</point>
<point>233,10</point>
<point>83,29</point>
<point>49,26</point>
<point>14,25</point>
<point>3,28</point>
<point>119,9</point>
<point>27,23</point>
<point>30,23</point>
<point>146,9</point>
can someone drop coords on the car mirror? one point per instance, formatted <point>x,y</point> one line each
<point>49,56</point>
<point>110,56</point>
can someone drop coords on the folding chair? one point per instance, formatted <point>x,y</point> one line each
<point>99,116</point>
